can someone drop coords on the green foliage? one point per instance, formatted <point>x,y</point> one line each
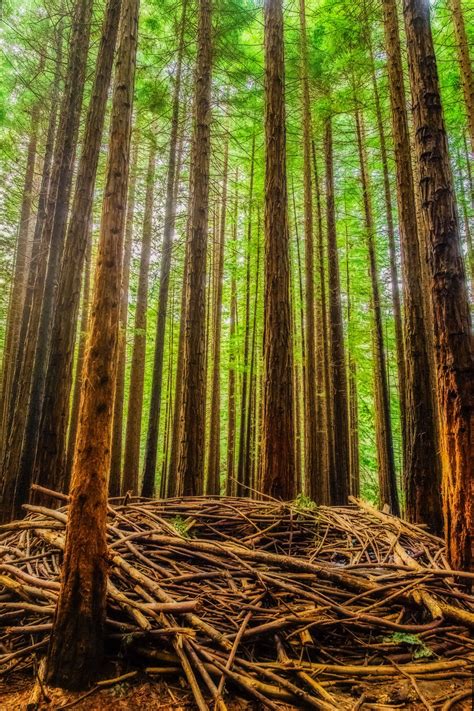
<point>418,647</point>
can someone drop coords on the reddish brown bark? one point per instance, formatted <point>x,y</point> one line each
<point>278,446</point>
<point>75,648</point>
<point>451,316</point>
<point>31,377</point>
<point>421,475</point>
<point>314,475</point>
<point>165,267</point>
<point>50,461</point>
<point>191,457</point>
<point>465,64</point>
<point>388,494</point>
<point>232,419</point>
<point>117,428</point>
<point>339,484</point>
<point>214,460</point>
<point>131,463</point>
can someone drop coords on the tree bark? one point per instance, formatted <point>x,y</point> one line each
<point>278,445</point>
<point>241,490</point>
<point>465,65</point>
<point>20,274</point>
<point>231,423</point>
<point>214,460</point>
<point>131,465</point>
<point>314,475</point>
<point>191,456</point>
<point>339,485</point>
<point>23,435</point>
<point>452,325</point>
<point>76,642</point>
<point>165,267</point>
<point>421,475</point>
<point>76,396</point>
<point>397,310</point>
<point>49,469</point>
<point>388,494</point>
<point>119,398</point>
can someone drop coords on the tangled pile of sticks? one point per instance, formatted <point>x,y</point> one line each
<point>279,602</point>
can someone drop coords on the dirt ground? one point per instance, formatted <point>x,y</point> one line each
<point>144,694</point>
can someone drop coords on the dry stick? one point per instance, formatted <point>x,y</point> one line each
<point>233,652</point>
<point>466,694</point>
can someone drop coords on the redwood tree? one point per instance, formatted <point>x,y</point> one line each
<point>193,419</point>
<point>278,445</point>
<point>75,648</point>
<point>451,315</point>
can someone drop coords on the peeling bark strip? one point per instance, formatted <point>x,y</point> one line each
<point>421,475</point>
<point>193,419</point>
<point>278,445</point>
<point>76,642</point>
<point>452,326</point>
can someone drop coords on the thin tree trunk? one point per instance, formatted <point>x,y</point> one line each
<point>119,398</point>
<point>327,444</point>
<point>421,475</point>
<point>213,479</point>
<point>76,395</point>
<point>354,465</point>
<point>131,464</point>
<point>278,445</point>
<point>191,456</point>
<point>17,293</point>
<point>465,65</point>
<point>19,386</point>
<point>300,427</point>
<point>397,311</point>
<point>251,414</point>
<point>388,493</point>
<point>76,643</point>
<point>339,485</point>
<point>169,410</point>
<point>231,427</point>
<point>49,469</point>
<point>314,475</point>
<point>169,224</point>
<point>452,324</point>
<point>241,490</point>
<point>23,437</point>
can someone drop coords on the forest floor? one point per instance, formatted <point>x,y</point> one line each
<point>145,695</point>
<point>241,604</point>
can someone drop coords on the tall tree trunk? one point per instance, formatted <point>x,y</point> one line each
<point>17,293</point>
<point>354,464</point>
<point>421,475</point>
<point>169,224</point>
<point>397,311</point>
<point>169,411</point>
<point>314,475</point>
<point>241,490</point>
<point>49,469</point>
<point>76,642</point>
<point>300,426</point>
<point>452,325</point>
<point>191,456</point>
<point>119,398</point>
<point>327,444</point>
<point>76,395</point>
<point>231,426</point>
<point>467,226</point>
<point>251,411</point>
<point>23,437</point>
<point>388,493</point>
<point>131,464</point>
<point>465,65</point>
<point>278,445</point>
<point>213,477</point>
<point>339,485</point>
<point>18,386</point>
